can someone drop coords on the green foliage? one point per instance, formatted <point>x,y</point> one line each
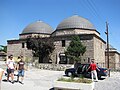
<point>77,80</point>
<point>41,47</point>
<point>81,76</point>
<point>75,49</point>
<point>3,48</point>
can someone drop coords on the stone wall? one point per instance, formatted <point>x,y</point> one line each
<point>57,67</point>
<point>117,65</point>
<point>88,42</point>
<point>16,50</point>
<point>24,36</point>
<point>80,31</point>
<point>52,66</point>
<point>99,50</point>
<point>74,31</point>
<point>114,62</point>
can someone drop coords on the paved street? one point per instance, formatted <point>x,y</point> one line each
<point>110,83</point>
<point>36,79</point>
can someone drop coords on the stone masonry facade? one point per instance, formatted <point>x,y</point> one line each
<point>75,25</point>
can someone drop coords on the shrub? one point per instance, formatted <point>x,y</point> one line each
<point>77,80</point>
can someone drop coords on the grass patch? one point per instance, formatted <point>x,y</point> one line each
<point>77,80</point>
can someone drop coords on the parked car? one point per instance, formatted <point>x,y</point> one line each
<point>81,69</point>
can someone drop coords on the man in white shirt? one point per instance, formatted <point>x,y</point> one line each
<point>10,68</point>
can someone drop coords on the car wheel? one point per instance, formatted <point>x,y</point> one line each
<point>70,74</point>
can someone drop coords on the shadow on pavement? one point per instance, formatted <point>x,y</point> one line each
<point>4,80</point>
<point>51,89</point>
<point>102,78</point>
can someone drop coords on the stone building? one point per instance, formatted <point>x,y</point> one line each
<point>89,36</point>
<point>74,25</point>
<point>114,58</point>
<point>18,47</point>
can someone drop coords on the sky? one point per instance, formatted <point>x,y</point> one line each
<point>15,15</point>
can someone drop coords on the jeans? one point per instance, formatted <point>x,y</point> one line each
<point>21,73</point>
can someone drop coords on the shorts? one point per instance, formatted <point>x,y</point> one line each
<point>21,73</point>
<point>10,71</point>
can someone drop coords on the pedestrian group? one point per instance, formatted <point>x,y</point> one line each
<point>11,67</point>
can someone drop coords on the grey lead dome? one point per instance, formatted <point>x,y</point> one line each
<point>75,22</point>
<point>38,27</point>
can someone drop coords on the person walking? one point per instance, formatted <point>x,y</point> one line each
<point>93,67</point>
<point>1,74</point>
<point>20,69</point>
<point>10,68</point>
<point>7,74</point>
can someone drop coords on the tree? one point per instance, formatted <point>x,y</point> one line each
<point>42,47</point>
<point>3,48</point>
<point>76,49</point>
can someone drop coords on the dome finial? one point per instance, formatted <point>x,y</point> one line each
<point>75,13</point>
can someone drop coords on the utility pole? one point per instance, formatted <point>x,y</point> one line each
<point>107,33</point>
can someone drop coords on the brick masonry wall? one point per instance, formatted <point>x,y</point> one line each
<point>99,50</point>
<point>17,50</point>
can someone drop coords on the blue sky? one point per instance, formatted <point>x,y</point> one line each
<point>15,15</point>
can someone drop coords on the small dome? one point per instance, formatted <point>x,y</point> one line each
<point>75,22</point>
<point>111,48</point>
<point>38,27</point>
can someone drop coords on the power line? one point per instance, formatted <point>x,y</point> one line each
<point>87,5</point>
<point>95,9</point>
<point>91,6</point>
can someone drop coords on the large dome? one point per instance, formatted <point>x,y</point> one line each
<point>75,22</point>
<point>38,27</point>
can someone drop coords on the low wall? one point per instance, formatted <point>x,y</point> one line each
<point>2,58</point>
<point>57,67</point>
<point>59,85</point>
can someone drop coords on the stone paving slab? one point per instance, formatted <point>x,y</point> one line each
<point>34,80</point>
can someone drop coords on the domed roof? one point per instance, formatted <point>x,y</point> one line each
<point>38,27</point>
<point>75,22</point>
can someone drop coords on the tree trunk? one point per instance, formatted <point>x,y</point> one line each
<point>40,59</point>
